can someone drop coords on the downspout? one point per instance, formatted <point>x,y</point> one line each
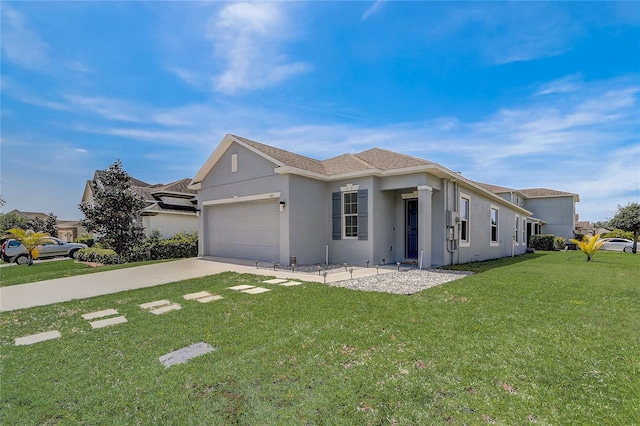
<point>451,242</point>
<point>456,194</point>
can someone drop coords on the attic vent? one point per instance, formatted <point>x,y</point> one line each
<point>234,163</point>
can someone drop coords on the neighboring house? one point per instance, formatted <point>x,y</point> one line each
<point>263,203</point>
<point>584,227</point>
<point>68,230</point>
<point>554,210</point>
<point>170,208</point>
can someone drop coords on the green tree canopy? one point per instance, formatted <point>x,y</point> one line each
<point>115,212</point>
<point>51,225</point>
<point>12,220</point>
<point>628,219</point>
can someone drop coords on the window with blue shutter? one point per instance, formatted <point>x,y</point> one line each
<point>363,223</point>
<point>337,215</point>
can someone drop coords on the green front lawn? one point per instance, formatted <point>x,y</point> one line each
<point>21,274</point>
<point>548,340</point>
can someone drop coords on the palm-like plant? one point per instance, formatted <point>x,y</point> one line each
<point>589,245</point>
<point>29,239</point>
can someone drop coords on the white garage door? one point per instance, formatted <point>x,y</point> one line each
<point>248,230</point>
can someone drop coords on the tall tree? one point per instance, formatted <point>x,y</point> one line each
<point>36,224</point>
<point>51,225</point>
<point>115,211</point>
<point>628,219</point>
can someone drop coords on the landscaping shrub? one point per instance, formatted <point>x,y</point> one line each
<point>179,246</point>
<point>618,233</point>
<point>559,243</point>
<point>542,242</point>
<point>85,239</point>
<point>98,255</point>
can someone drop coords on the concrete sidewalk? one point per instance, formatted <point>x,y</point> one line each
<point>99,283</point>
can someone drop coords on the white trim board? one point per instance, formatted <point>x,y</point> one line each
<point>244,199</point>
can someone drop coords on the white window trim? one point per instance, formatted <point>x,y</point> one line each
<point>467,242</point>
<point>344,215</point>
<point>516,231</point>
<point>349,188</point>
<point>494,243</point>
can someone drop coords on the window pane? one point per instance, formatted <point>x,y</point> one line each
<point>464,208</point>
<point>494,225</point>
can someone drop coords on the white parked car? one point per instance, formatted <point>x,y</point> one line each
<point>52,247</point>
<point>617,244</point>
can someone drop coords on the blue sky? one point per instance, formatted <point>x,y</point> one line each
<point>523,94</point>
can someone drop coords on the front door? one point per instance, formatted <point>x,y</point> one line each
<point>411,222</point>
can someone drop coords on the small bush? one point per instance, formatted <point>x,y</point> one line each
<point>179,246</point>
<point>559,243</point>
<point>618,233</point>
<point>98,255</point>
<point>542,242</point>
<point>85,239</point>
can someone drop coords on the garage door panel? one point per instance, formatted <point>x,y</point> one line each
<point>244,230</point>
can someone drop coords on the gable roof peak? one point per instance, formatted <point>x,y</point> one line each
<point>384,159</point>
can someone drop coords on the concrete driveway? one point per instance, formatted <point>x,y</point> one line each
<point>99,283</point>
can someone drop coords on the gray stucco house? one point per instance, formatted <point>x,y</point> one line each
<point>260,202</point>
<point>555,211</point>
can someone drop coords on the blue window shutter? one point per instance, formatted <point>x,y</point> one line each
<point>363,218</point>
<point>337,215</point>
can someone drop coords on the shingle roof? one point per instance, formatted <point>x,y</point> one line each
<point>544,192</point>
<point>344,163</point>
<point>528,193</point>
<point>285,157</point>
<point>389,160</point>
<point>35,215</point>
<point>494,188</point>
<point>371,159</point>
<point>177,186</point>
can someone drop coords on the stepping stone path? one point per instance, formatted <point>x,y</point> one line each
<point>108,317</point>
<point>36,338</point>
<point>290,283</point>
<point>104,322</point>
<point>282,282</point>
<point>185,354</point>
<point>202,297</point>
<point>249,289</point>
<point>275,281</point>
<point>159,307</point>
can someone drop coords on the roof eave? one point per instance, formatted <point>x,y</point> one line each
<point>492,195</point>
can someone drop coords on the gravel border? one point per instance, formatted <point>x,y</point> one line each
<point>404,282</point>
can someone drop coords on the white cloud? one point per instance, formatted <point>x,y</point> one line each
<point>20,44</point>
<point>109,108</point>
<point>249,39</point>
<point>564,85</point>
<point>23,94</point>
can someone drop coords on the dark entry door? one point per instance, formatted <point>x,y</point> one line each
<point>411,209</point>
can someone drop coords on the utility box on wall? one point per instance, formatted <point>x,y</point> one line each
<point>452,218</point>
